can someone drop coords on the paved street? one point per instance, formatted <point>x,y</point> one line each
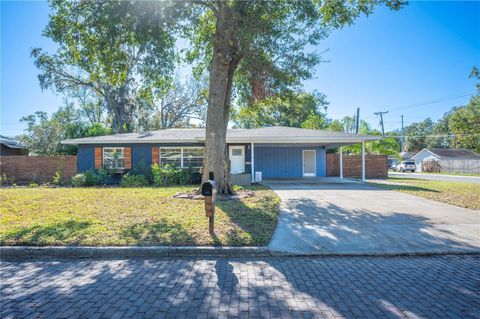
<point>437,177</point>
<point>325,216</point>
<point>349,287</point>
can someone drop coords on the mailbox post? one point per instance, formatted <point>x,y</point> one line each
<point>209,190</point>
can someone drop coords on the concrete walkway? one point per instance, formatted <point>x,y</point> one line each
<point>437,177</point>
<point>326,216</point>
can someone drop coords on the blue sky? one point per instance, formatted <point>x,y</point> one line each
<point>392,61</point>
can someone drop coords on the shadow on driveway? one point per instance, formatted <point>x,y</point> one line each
<point>352,218</point>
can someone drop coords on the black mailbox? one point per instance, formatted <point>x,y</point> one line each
<point>207,189</point>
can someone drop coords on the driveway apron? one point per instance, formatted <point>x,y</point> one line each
<point>326,216</point>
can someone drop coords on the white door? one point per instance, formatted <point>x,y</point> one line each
<point>309,163</point>
<point>237,159</point>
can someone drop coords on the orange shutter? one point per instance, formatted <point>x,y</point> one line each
<point>98,157</point>
<point>155,154</point>
<point>127,152</point>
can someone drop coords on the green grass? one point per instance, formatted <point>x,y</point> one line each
<point>460,194</point>
<point>131,216</point>
<point>456,174</point>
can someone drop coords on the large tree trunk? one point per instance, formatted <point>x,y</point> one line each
<point>225,60</point>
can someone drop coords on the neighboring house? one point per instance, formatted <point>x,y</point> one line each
<point>406,155</point>
<point>448,160</point>
<point>276,152</point>
<point>11,147</point>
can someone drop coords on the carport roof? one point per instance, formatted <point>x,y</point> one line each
<point>273,134</point>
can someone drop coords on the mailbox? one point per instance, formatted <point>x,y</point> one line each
<point>209,188</point>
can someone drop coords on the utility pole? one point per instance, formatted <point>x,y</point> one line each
<point>357,120</point>
<point>381,121</point>
<point>403,136</point>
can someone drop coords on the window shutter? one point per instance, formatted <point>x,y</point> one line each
<point>127,152</point>
<point>155,154</point>
<point>98,158</point>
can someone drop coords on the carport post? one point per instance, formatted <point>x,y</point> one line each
<point>341,162</point>
<point>252,164</point>
<point>363,161</point>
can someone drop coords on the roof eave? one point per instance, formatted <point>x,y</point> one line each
<point>271,139</point>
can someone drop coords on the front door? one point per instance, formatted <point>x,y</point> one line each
<point>237,159</point>
<point>309,163</point>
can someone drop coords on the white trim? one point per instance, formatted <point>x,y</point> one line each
<point>252,161</point>
<point>113,148</point>
<point>425,149</point>
<point>303,163</point>
<point>363,161</point>
<point>232,147</point>
<point>341,162</point>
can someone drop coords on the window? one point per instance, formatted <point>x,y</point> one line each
<point>237,152</point>
<point>171,155</point>
<point>193,157</point>
<point>113,157</point>
<point>182,157</point>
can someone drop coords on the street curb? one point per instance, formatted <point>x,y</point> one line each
<point>377,254</point>
<point>84,252</point>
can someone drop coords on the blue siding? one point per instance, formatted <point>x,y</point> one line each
<point>272,160</point>
<point>286,161</point>
<point>85,158</point>
<point>141,158</point>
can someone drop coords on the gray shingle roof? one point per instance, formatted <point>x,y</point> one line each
<point>453,152</point>
<point>10,142</point>
<point>274,134</point>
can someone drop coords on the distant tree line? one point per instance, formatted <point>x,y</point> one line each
<point>458,128</point>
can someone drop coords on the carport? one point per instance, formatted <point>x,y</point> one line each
<point>287,152</point>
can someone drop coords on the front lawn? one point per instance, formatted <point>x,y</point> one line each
<point>460,194</point>
<point>131,216</point>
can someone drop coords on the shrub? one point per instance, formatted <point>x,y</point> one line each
<point>88,178</point>
<point>58,178</point>
<point>132,180</point>
<point>33,185</point>
<point>4,180</point>
<point>237,188</point>
<point>168,175</point>
<point>79,180</point>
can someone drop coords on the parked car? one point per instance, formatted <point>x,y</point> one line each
<point>392,163</point>
<point>406,166</point>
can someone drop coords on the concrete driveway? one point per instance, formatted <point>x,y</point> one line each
<point>326,216</point>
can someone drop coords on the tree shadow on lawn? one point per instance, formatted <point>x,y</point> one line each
<point>69,232</point>
<point>257,219</point>
<point>158,233</point>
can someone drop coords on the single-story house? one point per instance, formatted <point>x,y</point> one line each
<point>9,147</point>
<point>448,160</point>
<point>276,152</point>
<point>406,155</point>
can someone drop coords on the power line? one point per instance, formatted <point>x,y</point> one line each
<point>436,135</point>
<point>438,100</point>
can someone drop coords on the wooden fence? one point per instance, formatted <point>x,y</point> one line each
<point>453,165</point>
<point>376,166</point>
<point>38,169</point>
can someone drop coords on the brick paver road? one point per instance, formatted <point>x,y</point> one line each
<point>434,287</point>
